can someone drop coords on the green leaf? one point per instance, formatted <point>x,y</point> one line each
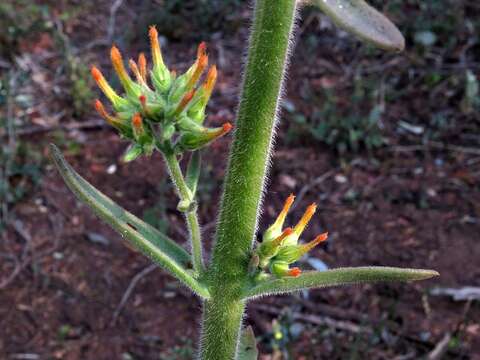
<point>193,171</point>
<point>248,345</point>
<point>142,236</point>
<point>362,20</point>
<point>336,277</point>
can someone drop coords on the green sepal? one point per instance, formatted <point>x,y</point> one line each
<point>279,268</point>
<point>197,108</point>
<point>247,349</point>
<point>363,21</point>
<point>168,131</point>
<point>161,82</point>
<point>145,238</point>
<point>133,152</point>
<point>193,171</point>
<point>289,253</point>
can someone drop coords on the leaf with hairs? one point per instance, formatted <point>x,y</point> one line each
<point>145,238</point>
<point>365,22</point>
<point>336,277</point>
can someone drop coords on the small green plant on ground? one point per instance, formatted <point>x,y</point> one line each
<point>165,111</point>
<point>20,163</point>
<point>344,129</point>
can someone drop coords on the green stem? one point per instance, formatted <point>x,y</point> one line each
<point>191,214</point>
<point>267,58</point>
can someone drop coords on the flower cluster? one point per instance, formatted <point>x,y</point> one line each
<point>280,248</point>
<point>160,109</point>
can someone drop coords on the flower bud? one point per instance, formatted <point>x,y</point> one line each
<point>197,110</point>
<point>293,253</point>
<point>159,67</point>
<point>193,140</point>
<point>269,249</point>
<point>115,121</point>
<point>129,85</point>
<point>298,229</point>
<point>114,98</point>
<point>275,230</point>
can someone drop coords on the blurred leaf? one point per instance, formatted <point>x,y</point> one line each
<point>248,345</point>
<point>362,20</point>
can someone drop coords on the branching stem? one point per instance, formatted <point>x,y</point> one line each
<point>191,213</point>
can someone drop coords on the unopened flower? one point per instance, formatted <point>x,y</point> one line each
<point>280,246</point>
<point>158,108</point>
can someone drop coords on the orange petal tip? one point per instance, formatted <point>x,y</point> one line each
<point>137,120</point>
<point>227,127</point>
<point>295,272</point>
<point>202,49</point>
<point>115,53</point>
<point>96,74</point>
<point>152,31</point>
<point>322,237</point>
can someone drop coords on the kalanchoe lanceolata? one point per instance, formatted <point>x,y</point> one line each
<point>280,247</point>
<point>160,110</point>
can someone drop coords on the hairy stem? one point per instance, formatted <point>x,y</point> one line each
<point>267,58</point>
<point>191,214</point>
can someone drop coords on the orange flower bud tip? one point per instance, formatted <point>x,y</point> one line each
<point>202,49</point>
<point>290,200</point>
<point>152,31</point>
<point>143,99</point>
<point>142,60</point>
<point>322,237</point>
<point>115,55</point>
<point>133,65</point>
<point>210,82</point>
<point>137,120</point>
<point>96,74</point>
<point>185,100</point>
<point>99,107</point>
<point>155,46</point>
<point>305,219</point>
<point>203,62</point>
<point>319,239</point>
<point>295,272</point>
<point>98,104</point>
<point>142,64</point>
<point>227,127</point>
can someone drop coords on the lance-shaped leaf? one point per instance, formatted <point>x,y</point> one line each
<point>362,20</point>
<point>336,277</point>
<point>247,349</point>
<point>141,235</point>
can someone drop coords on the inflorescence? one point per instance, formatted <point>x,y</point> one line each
<point>160,109</point>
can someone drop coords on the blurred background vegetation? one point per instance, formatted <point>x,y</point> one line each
<point>389,144</point>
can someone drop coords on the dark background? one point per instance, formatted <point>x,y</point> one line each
<point>387,144</point>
